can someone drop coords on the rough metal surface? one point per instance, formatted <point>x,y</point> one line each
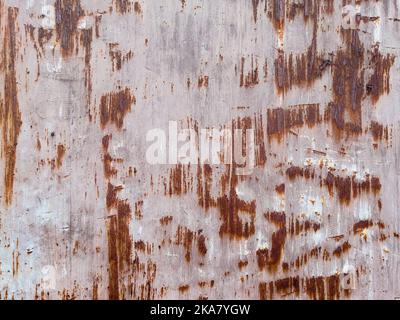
<point>84,216</point>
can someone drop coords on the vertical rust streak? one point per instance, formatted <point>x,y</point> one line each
<point>10,116</point>
<point>68,13</point>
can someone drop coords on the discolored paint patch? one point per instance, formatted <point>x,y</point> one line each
<point>10,115</point>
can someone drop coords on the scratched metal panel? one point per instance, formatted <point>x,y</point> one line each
<point>85,215</point>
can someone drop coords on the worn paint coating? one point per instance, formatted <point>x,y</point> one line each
<point>83,215</point>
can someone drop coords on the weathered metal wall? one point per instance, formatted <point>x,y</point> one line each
<point>85,216</point>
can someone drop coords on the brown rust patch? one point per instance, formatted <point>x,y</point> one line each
<point>344,187</point>
<point>231,206</point>
<point>166,220</point>
<point>201,245</point>
<point>301,69</point>
<point>123,6</point>
<point>108,160</point>
<point>297,226</point>
<point>86,41</point>
<point>320,287</point>
<point>137,8</point>
<point>379,82</point>
<point>179,181</point>
<point>277,15</point>
<point>280,189</point>
<point>251,78</point>
<point>60,155</point>
<point>255,9</point>
<point>119,239</point>
<point>44,36</point>
<point>271,258</point>
<point>359,226</point>
<point>118,59</point>
<point>280,121</point>
<point>10,115</point>
<point>342,249</point>
<point>68,14</point>
<point>185,237</point>
<point>277,218</point>
<point>183,289</point>
<point>202,82</point>
<point>114,106</point>
<point>242,264</point>
<point>348,86</point>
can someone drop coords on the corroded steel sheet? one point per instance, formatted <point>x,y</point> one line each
<point>84,214</point>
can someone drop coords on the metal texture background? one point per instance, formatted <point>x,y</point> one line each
<point>84,216</point>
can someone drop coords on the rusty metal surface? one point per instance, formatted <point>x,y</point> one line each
<point>84,215</point>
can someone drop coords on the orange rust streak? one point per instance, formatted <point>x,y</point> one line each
<point>10,116</point>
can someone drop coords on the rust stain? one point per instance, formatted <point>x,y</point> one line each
<point>185,237</point>
<point>123,6</point>
<point>60,155</point>
<point>361,225</point>
<point>203,82</point>
<point>242,264</point>
<point>280,189</point>
<point>86,41</point>
<point>201,245</point>
<point>44,36</point>
<point>184,288</point>
<point>379,82</point>
<point>109,170</point>
<point>250,79</point>
<point>137,7</point>
<point>348,86</point>
<point>10,115</point>
<point>342,249</point>
<point>378,131</point>
<point>166,220</point>
<point>280,121</point>
<point>119,239</point>
<point>270,258</point>
<point>117,57</point>
<point>68,13</point>
<point>114,106</point>
<point>321,287</point>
